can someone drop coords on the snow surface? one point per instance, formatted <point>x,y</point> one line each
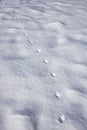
<point>32,31</point>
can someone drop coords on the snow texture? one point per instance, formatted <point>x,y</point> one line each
<point>43,54</point>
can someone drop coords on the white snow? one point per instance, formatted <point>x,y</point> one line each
<point>38,50</point>
<point>61,118</point>
<point>57,95</point>
<point>53,74</point>
<point>43,55</point>
<point>45,61</point>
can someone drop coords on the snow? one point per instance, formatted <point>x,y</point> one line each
<point>43,58</point>
<point>45,61</point>
<point>53,74</point>
<point>39,50</point>
<point>61,118</point>
<point>57,95</point>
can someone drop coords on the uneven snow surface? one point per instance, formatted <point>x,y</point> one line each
<point>43,64</point>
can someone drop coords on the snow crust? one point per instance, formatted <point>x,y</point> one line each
<point>43,54</point>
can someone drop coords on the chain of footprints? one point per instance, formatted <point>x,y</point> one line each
<point>61,117</point>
